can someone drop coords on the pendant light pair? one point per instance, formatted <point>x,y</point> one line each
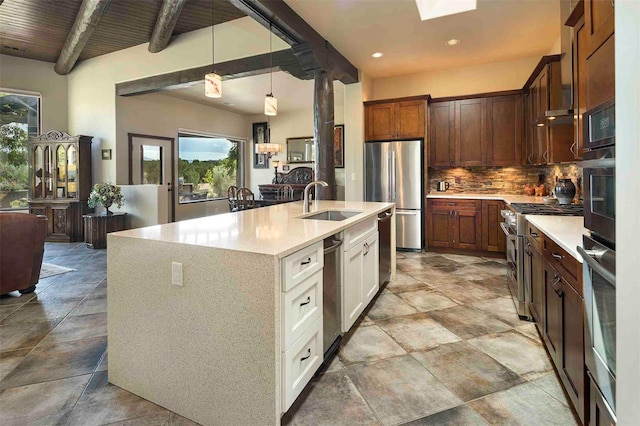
<point>212,81</point>
<point>270,102</point>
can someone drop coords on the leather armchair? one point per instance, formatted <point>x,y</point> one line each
<point>21,251</point>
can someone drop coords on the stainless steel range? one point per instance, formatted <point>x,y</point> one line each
<point>514,227</point>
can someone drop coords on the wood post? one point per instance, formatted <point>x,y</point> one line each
<point>85,24</point>
<point>167,19</point>
<point>323,123</point>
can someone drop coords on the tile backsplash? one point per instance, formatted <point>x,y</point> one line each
<point>504,180</point>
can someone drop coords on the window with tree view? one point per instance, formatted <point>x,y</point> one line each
<point>19,119</point>
<point>207,166</point>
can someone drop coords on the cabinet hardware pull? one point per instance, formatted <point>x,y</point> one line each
<point>306,262</point>
<point>451,204</point>
<point>308,355</point>
<point>366,246</point>
<point>307,302</point>
<point>557,256</point>
<point>533,234</point>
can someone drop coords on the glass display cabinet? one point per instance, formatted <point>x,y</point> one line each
<point>60,182</point>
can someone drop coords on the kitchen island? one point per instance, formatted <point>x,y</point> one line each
<point>220,318</point>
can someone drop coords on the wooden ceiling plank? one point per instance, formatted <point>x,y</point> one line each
<point>85,24</point>
<point>290,27</point>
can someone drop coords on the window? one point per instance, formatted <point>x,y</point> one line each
<point>207,166</point>
<point>19,119</point>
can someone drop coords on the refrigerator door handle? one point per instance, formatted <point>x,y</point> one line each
<point>392,173</point>
<point>406,213</point>
<point>388,197</point>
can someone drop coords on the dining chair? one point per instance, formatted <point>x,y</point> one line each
<point>245,199</point>
<point>232,196</point>
<point>285,193</point>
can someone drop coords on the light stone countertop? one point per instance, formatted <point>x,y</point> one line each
<point>566,231</point>
<point>507,198</point>
<point>276,230</point>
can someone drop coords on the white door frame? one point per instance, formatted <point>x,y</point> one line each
<point>167,163</point>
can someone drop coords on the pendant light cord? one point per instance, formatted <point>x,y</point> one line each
<point>271,57</point>
<point>213,42</point>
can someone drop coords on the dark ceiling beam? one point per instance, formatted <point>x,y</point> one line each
<point>283,60</point>
<point>86,22</point>
<point>167,19</point>
<point>294,30</point>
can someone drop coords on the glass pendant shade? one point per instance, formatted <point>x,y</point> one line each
<point>268,148</point>
<point>212,85</point>
<point>270,105</point>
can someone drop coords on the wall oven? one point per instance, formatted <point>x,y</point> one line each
<point>598,252</point>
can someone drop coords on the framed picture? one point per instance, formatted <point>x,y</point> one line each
<point>338,146</point>
<point>106,154</point>
<point>260,135</point>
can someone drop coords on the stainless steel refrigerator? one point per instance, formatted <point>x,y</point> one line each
<point>394,173</point>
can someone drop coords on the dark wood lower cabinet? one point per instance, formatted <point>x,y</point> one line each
<point>97,226</point>
<point>600,414</point>
<point>439,228</point>
<point>454,225</point>
<point>535,269</point>
<point>563,335</point>
<point>493,239</point>
<point>64,222</point>
<point>467,230</point>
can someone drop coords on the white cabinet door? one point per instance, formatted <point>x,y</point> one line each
<point>370,269</point>
<point>352,286</point>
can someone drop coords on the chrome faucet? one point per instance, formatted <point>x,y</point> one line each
<point>306,203</point>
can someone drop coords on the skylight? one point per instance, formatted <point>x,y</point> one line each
<point>430,9</point>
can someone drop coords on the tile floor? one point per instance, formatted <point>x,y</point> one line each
<point>440,345</point>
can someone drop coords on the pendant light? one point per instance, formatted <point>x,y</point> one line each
<point>270,102</point>
<point>212,81</point>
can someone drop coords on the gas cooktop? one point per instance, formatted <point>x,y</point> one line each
<point>548,209</point>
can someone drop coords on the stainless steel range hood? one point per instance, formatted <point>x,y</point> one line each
<point>563,113</point>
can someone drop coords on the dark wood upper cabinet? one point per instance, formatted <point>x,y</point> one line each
<point>442,134</point>
<point>478,131</point>
<point>493,238</point>
<point>599,20</point>
<point>580,52</point>
<point>504,131</point>
<point>381,122</point>
<point>601,77</point>
<point>395,120</point>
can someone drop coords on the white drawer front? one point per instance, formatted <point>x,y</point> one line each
<point>359,232</point>
<point>301,306</point>
<point>302,264</point>
<point>301,362</point>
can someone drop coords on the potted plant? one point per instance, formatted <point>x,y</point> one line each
<point>106,195</point>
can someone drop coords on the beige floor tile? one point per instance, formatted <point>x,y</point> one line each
<point>417,332</point>
<point>88,306</point>
<point>58,361</point>
<point>517,352</point>
<point>41,310</point>
<point>467,371</point>
<point>501,308</point>
<point>405,282</point>
<point>462,415</point>
<point>15,298</point>
<point>10,360</point>
<point>104,403</point>
<point>80,327</point>
<point>24,335</point>
<point>389,306</point>
<point>42,403</point>
<point>468,322</point>
<point>6,310</point>
<point>400,390</point>
<point>523,405</point>
<point>530,330</point>
<point>368,344</point>
<point>551,385</point>
<point>331,400</point>
<point>463,291</point>
<point>425,301</point>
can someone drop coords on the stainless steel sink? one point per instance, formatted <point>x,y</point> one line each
<point>332,215</point>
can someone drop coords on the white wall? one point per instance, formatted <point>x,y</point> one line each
<point>160,115</point>
<point>145,205</point>
<point>289,125</point>
<point>37,76</point>
<point>460,81</point>
<point>627,17</point>
<point>92,100</point>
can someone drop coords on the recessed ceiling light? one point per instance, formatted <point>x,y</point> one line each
<point>377,55</point>
<point>452,42</point>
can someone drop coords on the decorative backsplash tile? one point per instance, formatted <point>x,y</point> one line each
<point>504,180</point>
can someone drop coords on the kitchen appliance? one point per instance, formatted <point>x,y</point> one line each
<point>514,228</point>
<point>599,257</point>
<point>443,186</point>
<point>394,173</point>
<point>384,247</point>
<point>332,283</point>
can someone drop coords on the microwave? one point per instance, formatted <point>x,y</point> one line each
<point>600,126</point>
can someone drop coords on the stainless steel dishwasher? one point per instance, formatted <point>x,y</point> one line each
<point>332,283</point>
<point>384,238</point>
